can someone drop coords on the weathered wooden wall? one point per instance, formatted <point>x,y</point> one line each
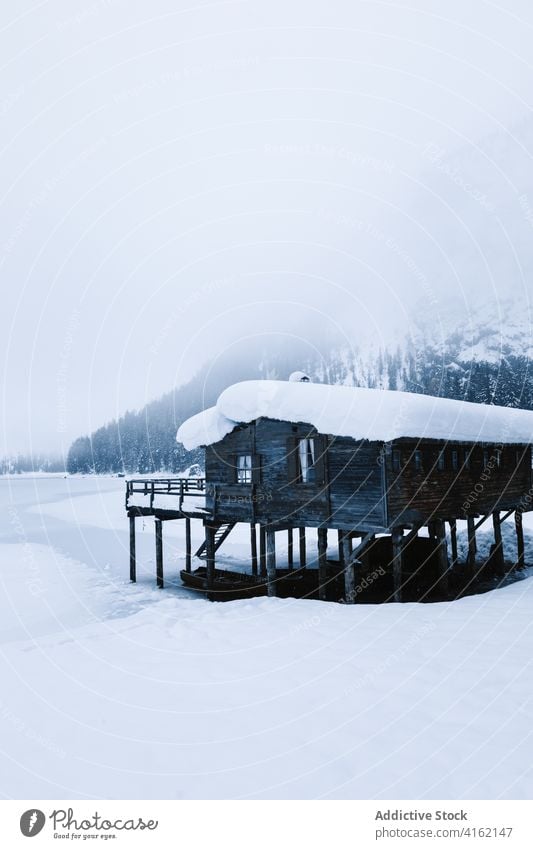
<point>357,485</point>
<point>432,493</point>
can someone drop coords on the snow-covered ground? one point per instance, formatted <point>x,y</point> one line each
<point>114,690</point>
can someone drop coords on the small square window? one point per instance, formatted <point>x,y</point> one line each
<point>397,460</point>
<point>244,468</point>
<point>306,460</point>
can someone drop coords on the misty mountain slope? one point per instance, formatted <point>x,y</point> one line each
<point>145,440</point>
<point>483,358</point>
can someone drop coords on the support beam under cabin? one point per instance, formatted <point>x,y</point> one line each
<point>397,563</point>
<point>253,548</point>
<point>290,549</point>
<point>133,561</point>
<point>453,538</point>
<point>341,553</point>
<point>498,555</point>
<point>349,568</point>
<point>188,549</point>
<point>472,545</point>
<point>262,551</point>
<point>210,531</point>
<point>322,563</point>
<point>271,562</point>
<point>302,547</point>
<point>521,551</point>
<point>159,553</point>
<point>442,553</point>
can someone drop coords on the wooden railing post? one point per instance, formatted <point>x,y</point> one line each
<point>159,553</point>
<point>519,527</point>
<point>322,563</point>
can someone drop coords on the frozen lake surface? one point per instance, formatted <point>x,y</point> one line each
<point>113,690</point>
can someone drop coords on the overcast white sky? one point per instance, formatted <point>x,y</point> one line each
<point>176,175</point>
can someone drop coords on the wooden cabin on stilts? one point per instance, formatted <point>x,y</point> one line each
<point>382,477</point>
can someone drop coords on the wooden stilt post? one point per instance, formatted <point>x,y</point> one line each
<point>472,546</point>
<point>262,551</point>
<point>210,557</point>
<point>271,562</point>
<point>453,537</point>
<point>341,552</point>
<point>349,569</point>
<point>133,562</point>
<point>188,550</point>
<point>159,553</point>
<point>322,563</point>
<point>253,548</point>
<point>521,559</point>
<point>444,563</point>
<point>302,547</point>
<point>290,548</point>
<point>397,558</point>
<point>498,542</point>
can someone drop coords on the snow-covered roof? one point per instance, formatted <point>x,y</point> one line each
<point>373,414</point>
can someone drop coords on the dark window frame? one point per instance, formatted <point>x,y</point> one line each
<point>244,474</point>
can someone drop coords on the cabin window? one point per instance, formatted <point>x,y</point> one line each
<point>396,460</point>
<point>486,458</point>
<point>467,458</point>
<point>306,460</point>
<point>441,461</point>
<point>498,455</point>
<point>244,468</point>
<point>419,463</point>
<point>455,460</point>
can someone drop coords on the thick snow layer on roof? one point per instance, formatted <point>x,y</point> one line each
<point>374,414</point>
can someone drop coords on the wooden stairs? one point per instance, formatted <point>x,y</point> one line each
<point>221,533</point>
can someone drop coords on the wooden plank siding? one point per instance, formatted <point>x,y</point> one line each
<point>427,493</point>
<point>360,485</point>
<point>347,493</point>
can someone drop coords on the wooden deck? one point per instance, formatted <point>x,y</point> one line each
<point>167,498</point>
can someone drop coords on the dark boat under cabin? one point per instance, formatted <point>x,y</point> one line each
<point>391,473</point>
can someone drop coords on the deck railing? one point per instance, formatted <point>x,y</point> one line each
<point>150,487</point>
